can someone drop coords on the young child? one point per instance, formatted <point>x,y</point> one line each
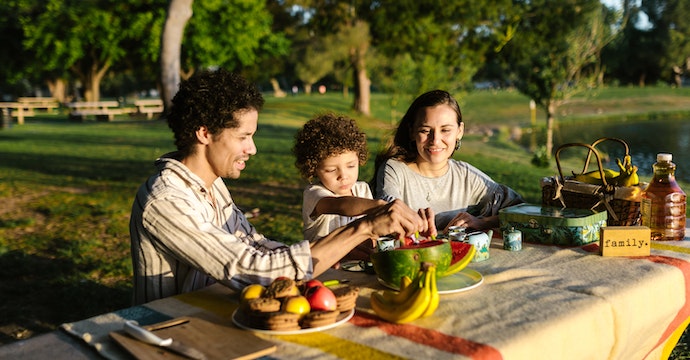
<point>329,150</point>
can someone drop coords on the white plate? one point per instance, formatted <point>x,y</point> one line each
<point>342,318</point>
<point>464,280</point>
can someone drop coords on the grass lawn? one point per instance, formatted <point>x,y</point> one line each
<point>67,188</point>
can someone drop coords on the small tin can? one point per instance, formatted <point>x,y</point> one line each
<point>456,233</point>
<point>482,243</point>
<point>512,240</point>
<point>386,243</point>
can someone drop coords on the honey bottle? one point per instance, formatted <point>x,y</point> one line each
<point>663,202</point>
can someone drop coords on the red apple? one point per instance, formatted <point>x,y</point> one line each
<point>311,283</point>
<point>321,298</point>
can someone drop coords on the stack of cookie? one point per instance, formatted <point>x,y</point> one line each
<point>346,297</point>
<point>267,312</point>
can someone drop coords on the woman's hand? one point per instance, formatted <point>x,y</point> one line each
<point>469,221</point>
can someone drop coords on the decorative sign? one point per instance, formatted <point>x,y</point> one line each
<point>625,241</point>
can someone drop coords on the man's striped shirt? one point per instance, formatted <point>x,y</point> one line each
<point>183,240</point>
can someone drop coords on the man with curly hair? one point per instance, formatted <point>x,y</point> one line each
<point>329,149</point>
<point>186,231</point>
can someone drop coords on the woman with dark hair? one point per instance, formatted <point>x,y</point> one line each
<point>417,167</point>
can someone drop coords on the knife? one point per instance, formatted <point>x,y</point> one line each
<point>328,283</point>
<point>132,328</point>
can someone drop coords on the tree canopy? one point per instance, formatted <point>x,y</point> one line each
<point>547,49</point>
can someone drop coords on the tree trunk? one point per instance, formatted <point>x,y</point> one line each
<point>179,12</point>
<point>361,80</point>
<point>277,91</point>
<point>362,92</point>
<point>307,88</point>
<point>92,82</point>
<point>550,120</point>
<point>58,89</point>
<point>677,72</point>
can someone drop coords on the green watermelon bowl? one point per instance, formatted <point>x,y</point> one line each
<point>450,257</point>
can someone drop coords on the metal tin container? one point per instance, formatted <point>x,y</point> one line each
<point>456,233</point>
<point>512,240</point>
<point>386,243</point>
<point>553,226</point>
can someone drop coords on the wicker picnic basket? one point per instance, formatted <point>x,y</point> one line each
<point>622,203</point>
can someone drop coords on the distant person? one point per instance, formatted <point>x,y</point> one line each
<point>417,168</point>
<point>329,149</point>
<point>187,232</point>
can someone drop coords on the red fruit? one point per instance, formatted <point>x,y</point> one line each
<point>321,298</point>
<point>463,253</point>
<point>408,241</point>
<point>421,244</point>
<point>312,283</point>
<point>460,250</point>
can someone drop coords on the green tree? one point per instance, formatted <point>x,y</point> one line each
<point>14,56</point>
<point>550,47</point>
<point>631,57</point>
<point>316,63</point>
<point>235,35</point>
<point>433,43</point>
<point>339,20</point>
<point>669,28</point>
<point>85,38</point>
<point>229,34</point>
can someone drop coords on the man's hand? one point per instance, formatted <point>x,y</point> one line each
<point>396,218</point>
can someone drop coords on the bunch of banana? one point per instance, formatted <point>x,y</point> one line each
<point>417,297</point>
<point>594,177</point>
<point>628,175</point>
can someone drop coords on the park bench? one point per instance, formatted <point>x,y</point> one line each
<point>27,106</point>
<point>149,107</point>
<point>101,110</point>
<point>42,103</point>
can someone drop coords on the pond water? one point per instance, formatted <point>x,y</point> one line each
<point>645,139</point>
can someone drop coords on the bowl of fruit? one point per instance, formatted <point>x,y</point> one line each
<point>449,257</point>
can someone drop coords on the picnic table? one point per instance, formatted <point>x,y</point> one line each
<point>543,302</point>
<point>27,106</point>
<point>101,110</point>
<point>149,107</point>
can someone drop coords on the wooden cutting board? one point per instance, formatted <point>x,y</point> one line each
<point>217,339</point>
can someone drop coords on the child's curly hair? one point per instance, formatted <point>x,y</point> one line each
<point>324,136</point>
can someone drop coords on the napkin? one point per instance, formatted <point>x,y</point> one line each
<point>94,331</point>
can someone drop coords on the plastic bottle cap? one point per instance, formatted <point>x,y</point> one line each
<point>664,157</point>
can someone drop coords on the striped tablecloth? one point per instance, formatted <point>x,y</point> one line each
<point>544,302</point>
